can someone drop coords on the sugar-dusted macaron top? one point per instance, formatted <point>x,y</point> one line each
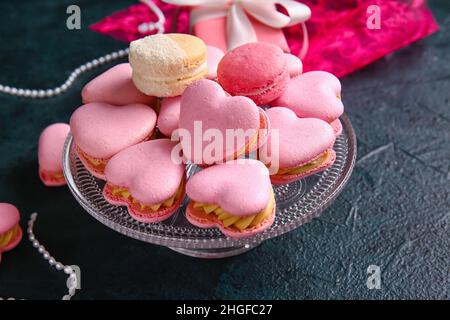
<point>51,145</point>
<point>169,115</point>
<point>9,217</point>
<point>253,65</point>
<point>163,54</point>
<point>114,86</point>
<point>206,104</point>
<point>300,139</point>
<point>147,170</point>
<point>314,94</point>
<point>240,187</point>
<point>214,56</point>
<point>101,130</point>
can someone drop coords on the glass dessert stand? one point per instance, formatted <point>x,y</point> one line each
<point>297,203</point>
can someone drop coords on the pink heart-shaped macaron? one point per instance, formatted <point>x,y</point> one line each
<point>300,141</point>
<point>10,231</point>
<point>169,115</point>
<point>149,173</point>
<point>294,64</point>
<point>241,187</point>
<point>314,94</point>
<point>50,151</point>
<point>207,109</point>
<point>115,86</point>
<point>214,57</point>
<point>101,130</point>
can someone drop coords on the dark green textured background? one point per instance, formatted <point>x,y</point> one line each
<point>394,212</point>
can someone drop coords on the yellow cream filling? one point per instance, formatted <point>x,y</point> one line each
<point>6,237</point>
<point>125,195</point>
<point>239,222</point>
<point>98,163</point>
<point>307,167</point>
<point>198,72</point>
<point>253,140</point>
<point>95,162</point>
<point>52,176</point>
<point>57,176</point>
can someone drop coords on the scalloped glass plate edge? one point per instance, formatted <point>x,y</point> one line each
<point>308,204</point>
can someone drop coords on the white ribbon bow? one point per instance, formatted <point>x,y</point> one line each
<point>239,27</point>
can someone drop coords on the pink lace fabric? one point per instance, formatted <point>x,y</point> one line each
<point>340,41</point>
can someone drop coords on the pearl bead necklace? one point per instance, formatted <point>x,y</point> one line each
<point>143,28</point>
<point>40,94</point>
<point>147,27</point>
<point>72,280</point>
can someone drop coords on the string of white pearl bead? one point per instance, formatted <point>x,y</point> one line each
<point>48,93</point>
<point>40,93</point>
<point>72,280</point>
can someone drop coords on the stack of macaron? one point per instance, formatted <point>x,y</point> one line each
<point>254,88</point>
<point>101,130</point>
<point>99,124</point>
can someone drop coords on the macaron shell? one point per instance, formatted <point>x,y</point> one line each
<point>279,180</point>
<point>115,86</point>
<point>168,88</point>
<point>205,222</point>
<point>165,55</point>
<point>294,64</point>
<point>214,57</point>
<point>337,127</point>
<point>206,101</point>
<point>165,64</point>
<point>314,94</point>
<point>240,187</point>
<point>101,130</point>
<point>160,216</point>
<point>194,48</point>
<point>169,115</point>
<point>264,131</point>
<point>153,176</point>
<point>51,145</point>
<point>271,91</point>
<point>145,218</point>
<point>92,170</point>
<point>257,70</point>
<point>251,65</point>
<point>9,217</point>
<point>14,242</point>
<point>300,139</point>
<point>51,182</point>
